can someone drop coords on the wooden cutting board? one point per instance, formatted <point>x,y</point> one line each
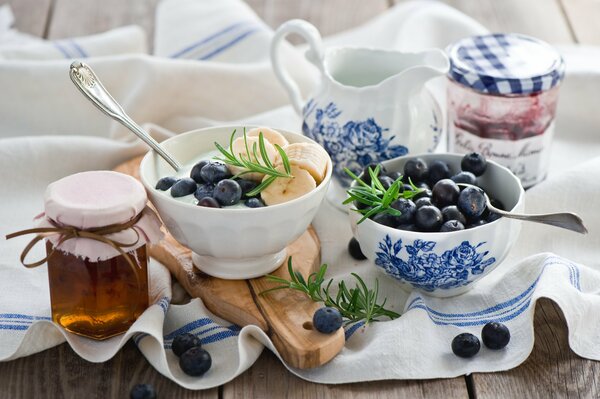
<point>285,315</point>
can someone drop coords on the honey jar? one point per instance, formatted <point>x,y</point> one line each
<point>96,226</point>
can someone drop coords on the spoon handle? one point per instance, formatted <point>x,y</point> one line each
<point>87,82</point>
<point>566,220</point>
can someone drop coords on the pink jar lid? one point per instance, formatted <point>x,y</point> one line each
<point>95,199</point>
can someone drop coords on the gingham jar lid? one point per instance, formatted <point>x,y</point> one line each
<point>505,64</point>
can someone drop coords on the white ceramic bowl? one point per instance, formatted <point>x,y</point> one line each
<point>236,243</point>
<point>444,264</point>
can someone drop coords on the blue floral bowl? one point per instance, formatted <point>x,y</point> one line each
<point>444,264</point>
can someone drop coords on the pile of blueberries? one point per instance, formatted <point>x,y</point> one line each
<point>193,361</point>
<point>443,205</point>
<point>212,184</point>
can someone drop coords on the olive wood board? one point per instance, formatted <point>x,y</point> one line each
<point>285,315</point>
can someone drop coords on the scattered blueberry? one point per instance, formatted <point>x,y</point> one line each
<point>452,225</point>
<point>407,210</point>
<point>495,335</point>
<point>209,202</point>
<point>196,169</point>
<point>423,201</point>
<point>438,170</point>
<point>474,163</point>
<point>227,192</point>
<point>246,186</point>
<point>428,218</point>
<point>464,177</point>
<point>204,190</point>
<point>142,391</point>
<point>214,172</point>
<point>165,183</point>
<point>354,249</point>
<point>254,203</point>
<point>195,361</point>
<point>445,192</point>
<point>183,342</point>
<point>465,345</point>
<point>327,320</point>
<point>183,187</point>
<point>416,169</point>
<point>451,212</point>
<point>471,202</point>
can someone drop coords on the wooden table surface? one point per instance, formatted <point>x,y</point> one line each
<point>552,370</point>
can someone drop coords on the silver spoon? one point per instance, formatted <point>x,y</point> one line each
<point>87,82</point>
<point>565,220</point>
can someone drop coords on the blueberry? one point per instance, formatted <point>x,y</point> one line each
<point>423,201</point>
<point>471,202</point>
<point>196,169</point>
<point>464,177</point>
<point>246,186</point>
<point>366,176</point>
<point>183,342</point>
<point>327,320</point>
<point>423,194</point>
<point>204,190</point>
<point>214,172</point>
<point>465,345</point>
<point>227,192</point>
<point>492,217</point>
<point>416,170</point>
<point>195,361</point>
<point>165,183</point>
<point>386,181</point>
<point>445,192</point>
<point>142,391</point>
<point>475,223</point>
<point>183,187</point>
<point>254,203</point>
<point>428,218</point>
<point>354,249</point>
<point>452,225</point>
<point>395,175</point>
<point>451,212</point>
<point>438,170</point>
<point>495,335</point>
<point>474,163</point>
<point>385,219</point>
<point>407,209</point>
<point>407,227</point>
<point>208,202</point>
<point>496,203</point>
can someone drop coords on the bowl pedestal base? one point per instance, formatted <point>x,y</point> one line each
<point>238,269</point>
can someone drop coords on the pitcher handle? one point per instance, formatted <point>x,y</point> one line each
<point>315,55</point>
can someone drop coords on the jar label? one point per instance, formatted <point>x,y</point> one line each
<point>527,158</point>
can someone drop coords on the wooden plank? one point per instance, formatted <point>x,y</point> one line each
<point>583,16</point>
<point>31,16</point>
<point>543,19</point>
<point>267,378</point>
<point>85,17</point>
<point>551,371</point>
<point>59,373</point>
<point>329,16</point>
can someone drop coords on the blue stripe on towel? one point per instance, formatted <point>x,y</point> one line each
<point>13,327</point>
<point>78,48</point>
<point>62,49</point>
<point>352,329</point>
<point>224,47</point>
<point>209,38</point>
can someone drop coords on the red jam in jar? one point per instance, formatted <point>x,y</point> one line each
<point>502,97</point>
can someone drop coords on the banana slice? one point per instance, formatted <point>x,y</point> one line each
<point>239,149</point>
<point>273,136</point>
<point>284,189</point>
<point>308,156</point>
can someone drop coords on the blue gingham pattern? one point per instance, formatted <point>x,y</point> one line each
<point>495,64</point>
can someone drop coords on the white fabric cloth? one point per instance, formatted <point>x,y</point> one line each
<point>47,131</point>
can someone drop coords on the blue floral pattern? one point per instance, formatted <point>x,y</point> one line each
<point>353,145</point>
<point>429,271</point>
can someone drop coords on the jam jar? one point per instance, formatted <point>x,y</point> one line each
<point>97,259</point>
<point>502,96</point>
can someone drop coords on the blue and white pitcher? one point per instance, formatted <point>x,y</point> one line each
<point>371,105</point>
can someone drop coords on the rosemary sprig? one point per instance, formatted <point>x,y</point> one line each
<point>375,197</point>
<point>251,161</point>
<point>355,304</point>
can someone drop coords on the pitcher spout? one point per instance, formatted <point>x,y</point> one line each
<point>434,63</point>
